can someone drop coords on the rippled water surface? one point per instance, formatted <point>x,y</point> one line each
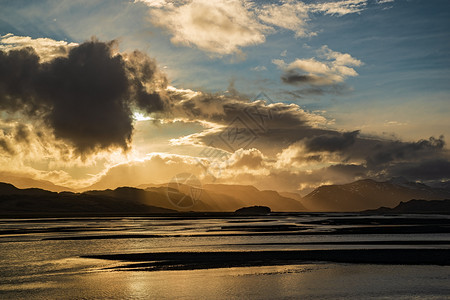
<point>58,258</point>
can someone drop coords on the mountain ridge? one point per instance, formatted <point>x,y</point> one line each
<point>367,194</point>
<point>356,196</point>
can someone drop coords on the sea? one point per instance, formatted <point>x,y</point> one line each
<point>205,256</point>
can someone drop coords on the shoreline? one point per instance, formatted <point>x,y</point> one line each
<point>196,214</point>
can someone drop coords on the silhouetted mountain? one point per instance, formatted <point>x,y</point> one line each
<point>9,189</point>
<point>228,198</point>
<point>157,196</point>
<point>213,197</point>
<point>368,194</point>
<point>417,206</point>
<point>357,196</point>
<point>14,201</point>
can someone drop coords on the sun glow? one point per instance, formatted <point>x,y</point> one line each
<point>137,116</point>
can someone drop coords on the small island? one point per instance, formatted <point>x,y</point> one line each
<point>253,210</point>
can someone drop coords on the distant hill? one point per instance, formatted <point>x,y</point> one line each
<point>228,198</point>
<point>356,196</point>
<point>156,199</point>
<point>9,189</point>
<point>368,194</point>
<point>14,201</point>
<point>417,206</point>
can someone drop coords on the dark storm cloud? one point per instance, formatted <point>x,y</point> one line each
<point>224,109</point>
<point>18,72</point>
<point>423,160</point>
<point>433,169</point>
<point>348,170</point>
<point>247,124</point>
<point>331,142</point>
<point>85,98</point>
<point>144,80</point>
<point>271,128</point>
<point>384,152</point>
<point>88,93</point>
<point>292,77</point>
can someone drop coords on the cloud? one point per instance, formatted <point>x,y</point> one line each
<point>259,68</point>
<point>302,138</point>
<point>88,94</point>
<point>339,8</point>
<point>153,3</point>
<point>6,147</point>
<point>332,158</point>
<point>317,157</point>
<point>250,158</point>
<point>289,15</point>
<point>331,142</point>
<point>22,134</point>
<point>237,123</point>
<point>427,170</point>
<point>336,89</point>
<point>294,180</point>
<point>157,168</point>
<point>222,109</point>
<point>382,153</point>
<point>82,101</point>
<point>47,49</point>
<point>225,27</point>
<point>334,69</point>
<point>340,59</point>
<point>221,27</point>
<point>327,147</point>
<point>85,97</point>
<point>375,157</point>
<point>243,167</point>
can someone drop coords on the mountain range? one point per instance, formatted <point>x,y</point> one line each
<point>369,194</point>
<point>356,196</point>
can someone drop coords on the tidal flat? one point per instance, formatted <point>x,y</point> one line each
<point>304,255</point>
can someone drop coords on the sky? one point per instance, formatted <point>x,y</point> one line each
<point>283,95</point>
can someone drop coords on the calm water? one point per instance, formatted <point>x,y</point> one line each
<point>43,258</point>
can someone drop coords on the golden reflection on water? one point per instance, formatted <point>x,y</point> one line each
<point>323,281</point>
<point>193,284</point>
<point>35,268</point>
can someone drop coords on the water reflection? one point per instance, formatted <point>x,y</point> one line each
<point>43,258</point>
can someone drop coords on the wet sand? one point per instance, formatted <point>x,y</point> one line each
<point>226,259</point>
<point>293,256</point>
